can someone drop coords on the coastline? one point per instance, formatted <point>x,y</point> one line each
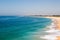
<point>56,21</point>
<point>53,30</point>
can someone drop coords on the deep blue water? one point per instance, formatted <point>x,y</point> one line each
<point>21,28</point>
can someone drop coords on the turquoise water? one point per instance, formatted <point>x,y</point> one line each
<point>22,28</point>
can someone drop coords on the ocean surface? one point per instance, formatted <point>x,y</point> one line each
<point>22,27</point>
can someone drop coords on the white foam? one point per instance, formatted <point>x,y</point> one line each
<point>49,37</point>
<point>52,26</point>
<point>52,31</point>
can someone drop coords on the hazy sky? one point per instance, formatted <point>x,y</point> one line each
<point>29,7</point>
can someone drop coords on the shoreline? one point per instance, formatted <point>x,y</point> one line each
<point>56,21</point>
<point>53,30</point>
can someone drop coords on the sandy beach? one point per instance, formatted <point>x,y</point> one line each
<point>57,24</point>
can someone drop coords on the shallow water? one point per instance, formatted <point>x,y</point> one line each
<point>22,28</point>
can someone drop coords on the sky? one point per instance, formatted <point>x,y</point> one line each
<point>29,7</point>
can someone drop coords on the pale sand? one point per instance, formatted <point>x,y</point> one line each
<point>57,23</point>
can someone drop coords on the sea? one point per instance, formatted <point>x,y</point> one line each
<point>23,27</point>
